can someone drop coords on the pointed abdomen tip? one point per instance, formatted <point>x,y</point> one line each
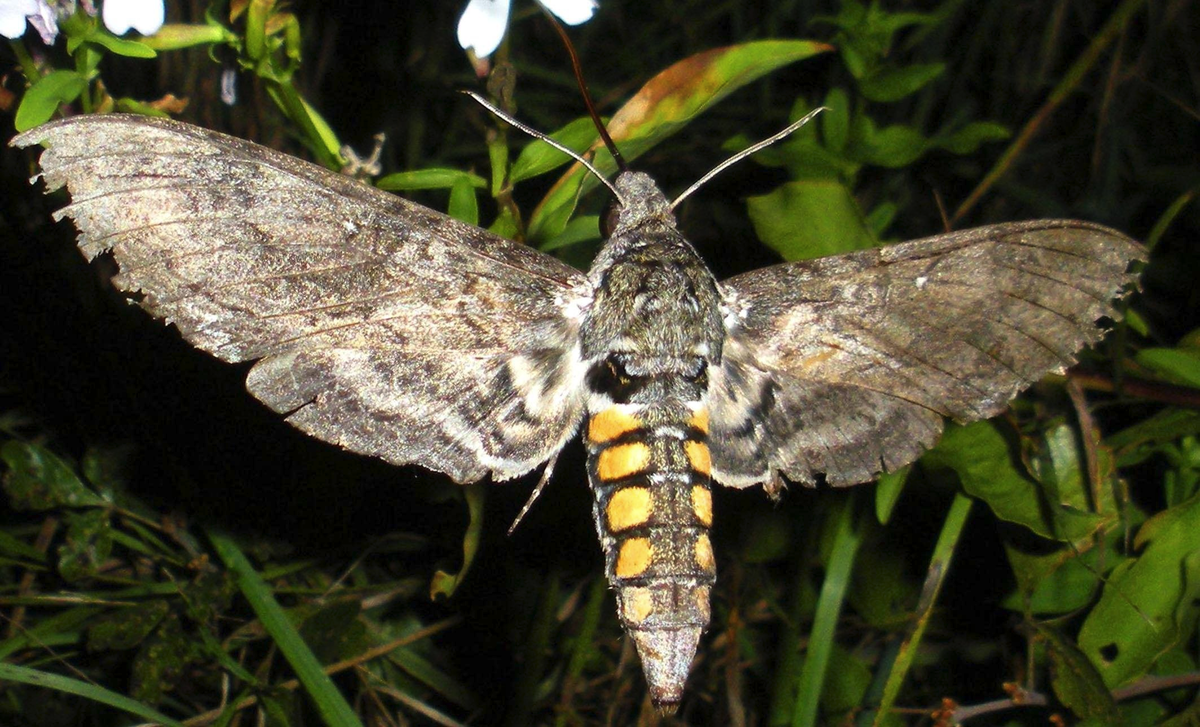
<point>666,656</point>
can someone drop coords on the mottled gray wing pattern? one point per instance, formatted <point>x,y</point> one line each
<point>380,325</point>
<point>846,365</point>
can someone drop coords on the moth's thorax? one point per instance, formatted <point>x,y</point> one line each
<point>652,297</point>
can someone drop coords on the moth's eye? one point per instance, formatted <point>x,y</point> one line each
<point>608,218</point>
<point>700,376</point>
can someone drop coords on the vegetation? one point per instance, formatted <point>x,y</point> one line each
<point>171,552</point>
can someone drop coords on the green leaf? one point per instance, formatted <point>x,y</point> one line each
<point>334,631</point>
<point>126,627</point>
<point>539,157</point>
<point>431,178</point>
<point>889,83</point>
<point>1140,441</point>
<point>663,106</point>
<point>584,228</point>
<point>121,46</point>
<point>1057,582</point>
<point>1060,467</point>
<point>87,546</point>
<point>44,97</point>
<point>463,204</point>
<point>970,137</point>
<point>1076,682</point>
<point>1180,365</point>
<point>887,492</point>
<point>810,219</point>
<point>835,123</point>
<point>162,660</point>
<point>133,106</point>
<point>892,147</point>
<point>444,584</point>
<point>176,36</point>
<point>1147,605</point>
<point>981,458</point>
<point>38,480</point>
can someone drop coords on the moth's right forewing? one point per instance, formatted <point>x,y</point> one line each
<point>382,326</point>
<point>856,357</point>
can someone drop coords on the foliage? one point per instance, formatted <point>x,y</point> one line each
<point>169,551</point>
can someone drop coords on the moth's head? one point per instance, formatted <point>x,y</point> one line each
<point>639,200</point>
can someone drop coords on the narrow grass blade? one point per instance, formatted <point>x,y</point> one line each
<point>329,701</point>
<point>939,566</point>
<point>94,692</point>
<point>829,606</point>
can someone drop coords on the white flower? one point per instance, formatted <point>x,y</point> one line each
<point>146,16</point>
<point>483,23</point>
<point>14,12</point>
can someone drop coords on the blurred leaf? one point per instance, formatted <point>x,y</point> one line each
<point>1058,582</point>
<point>334,632</point>
<point>161,661</point>
<point>175,36</point>
<point>208,596</point>
<point>663,106</point>
<point>892,147</point>
<point>584,228</point>
<point>970,137</point>
<point>1059,466</point>
<point>809,219</point>
<point>1180,365</point>
<point>38,480</point>
<point>539,157</point>
<point>1139,441</point>
<point>980,456</point>
<point>835,123</point>
<point>44,97</point>
<point>1076,682</point>
<point>19,550</point>
<point>432,178</point>
<point>847,683</point>
<point>887,491</point>
<point>892,84</point>
<point>1141,606</point>
<point>122,46</point>
<point>126,627</point>
<point>764,537</point>
<point>88,544</point>
<point>463,206</point>
<point>882,590</point>
<point>444,584</point>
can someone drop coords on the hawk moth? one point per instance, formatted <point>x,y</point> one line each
<point>394,331</point>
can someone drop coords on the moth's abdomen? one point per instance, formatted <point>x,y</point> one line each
<point>650,473</point>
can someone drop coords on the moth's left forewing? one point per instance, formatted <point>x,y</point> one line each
<point>377,324</point>
<point>845,365</point>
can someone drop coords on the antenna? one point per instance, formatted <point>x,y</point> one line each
<point>747,152</point>
<point>539,135</point>
<point>587,97</point>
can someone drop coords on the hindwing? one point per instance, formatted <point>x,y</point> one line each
<point>378,324</point>
<point>846,365</point>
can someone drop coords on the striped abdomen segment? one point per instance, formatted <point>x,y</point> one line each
<point>650,474</point>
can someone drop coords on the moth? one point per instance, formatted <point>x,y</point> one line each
<point>395,331</point>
